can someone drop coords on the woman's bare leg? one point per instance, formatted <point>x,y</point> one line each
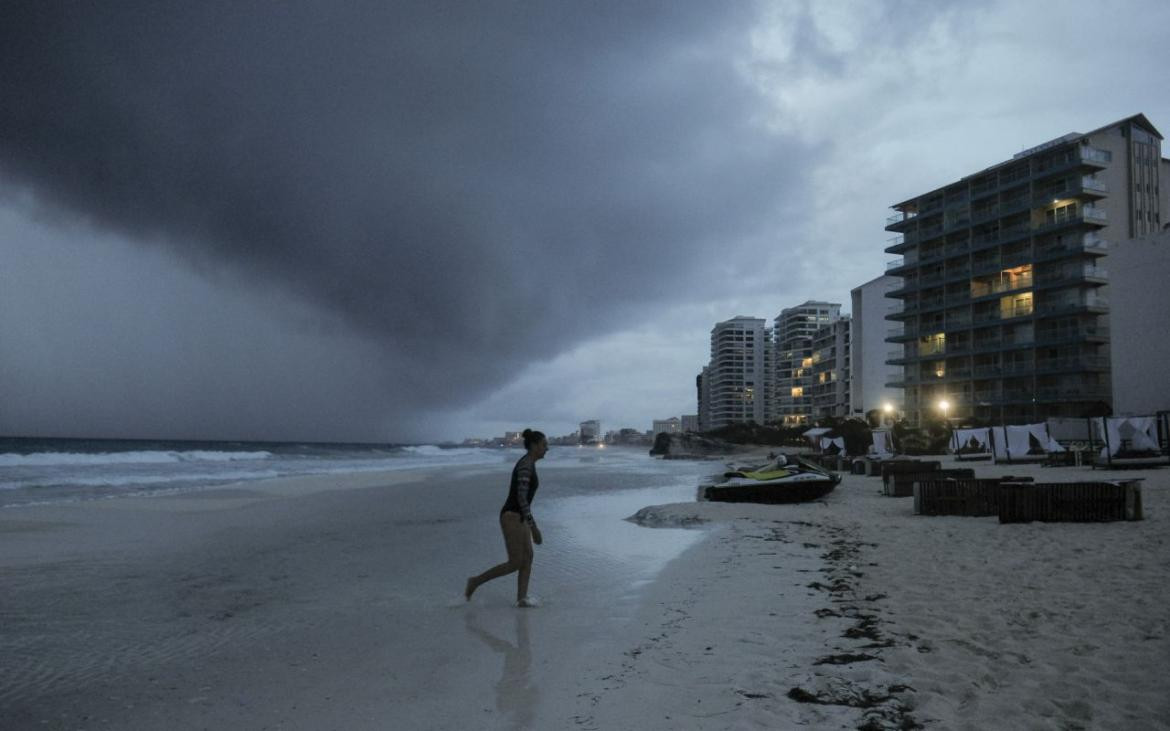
<point>518,542</point>
<point>525,566</point>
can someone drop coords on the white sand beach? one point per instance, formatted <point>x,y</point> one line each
<point>326,602</point>
<point>944,622</point>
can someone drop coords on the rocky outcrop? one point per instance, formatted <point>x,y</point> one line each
<point>691,446</point>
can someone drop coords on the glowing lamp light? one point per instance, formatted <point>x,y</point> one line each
<point>888,407</point>
<point>943,406</point>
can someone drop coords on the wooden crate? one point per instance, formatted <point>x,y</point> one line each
<point>1079,502</point>
<point>957,497</point>
<point>901,484</point>
<point>891,466</point>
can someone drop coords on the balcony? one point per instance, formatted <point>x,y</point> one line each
<point>985,214</point>
<point>986,397</point>
<point>987,371</point>
<point>1002,236</point>
<point>983,344</point>
<point>958,323</point>
<point>1068,275</point>
<point>1091,213</point>
<point>1092,184</point>
<point>1087,331</point>
<point>895,264</point>
<point>1017,367</point>
<point>1082,155</point>
<point>1018,309</point>
<point>1061,250</point>
<point>929,231</point>
<point>931,254</point>
<point>1099,305</point>
<point>1100,158</point>
<point>931,278</point>
<point>1085,393</point>
<point>987,289</point>
<point>989,266</point>
<point>1072,365</point>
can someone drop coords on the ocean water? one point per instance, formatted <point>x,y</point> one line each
<point>34,470</point>
<point>39,471</point>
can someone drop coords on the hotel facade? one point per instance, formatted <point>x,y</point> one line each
<point>794,330</point>
<point>1004,298</point>
<point>734,387</point>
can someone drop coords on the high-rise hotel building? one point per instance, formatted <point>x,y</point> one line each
<point>1003,297</point>
<point>733,387</point>
<point>831,362</point>
<point>793,332</point>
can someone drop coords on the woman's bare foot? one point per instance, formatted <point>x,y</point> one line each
<point>469,589</point>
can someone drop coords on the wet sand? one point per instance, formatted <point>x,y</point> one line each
<point>316,603</point>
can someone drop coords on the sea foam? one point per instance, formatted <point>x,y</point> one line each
<point>49,459</point>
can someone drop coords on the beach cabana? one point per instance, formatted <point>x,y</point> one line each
<point>971,443</point>
<point>828,443</point>
<point>814,436</point>
<point>1022,443</point>
<point>1129,441</point>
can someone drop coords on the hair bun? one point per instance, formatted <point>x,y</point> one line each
<point>527,433</point>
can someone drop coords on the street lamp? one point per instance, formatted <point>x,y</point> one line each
<point>888,410</point>
<point>944,406</point>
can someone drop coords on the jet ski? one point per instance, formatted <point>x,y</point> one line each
<point>786,479</point>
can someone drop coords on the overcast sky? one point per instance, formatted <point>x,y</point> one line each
<point>419,221</point>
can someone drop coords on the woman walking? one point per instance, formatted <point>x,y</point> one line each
<point>517,523</point>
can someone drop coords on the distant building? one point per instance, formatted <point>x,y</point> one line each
<point>793,332</point>
<point>673,425</point>
<point>1004,311</point>
<point>590,431</point>
<point>567,440</point>
<point>870,372</point>
<point>830,374</point>
<point>738,378</point>
<point>689,422</point>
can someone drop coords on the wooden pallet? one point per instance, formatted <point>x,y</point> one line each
<point>1079,502</point>
<point>957,497</point>
<point>901,484</point>
<point>892,466</point>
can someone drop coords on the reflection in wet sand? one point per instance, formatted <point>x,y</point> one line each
<point>516,694</point>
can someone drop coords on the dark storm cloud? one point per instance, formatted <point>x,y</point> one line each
<point>472,185</point>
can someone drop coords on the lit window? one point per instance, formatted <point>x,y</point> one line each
<point>797,391</point>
